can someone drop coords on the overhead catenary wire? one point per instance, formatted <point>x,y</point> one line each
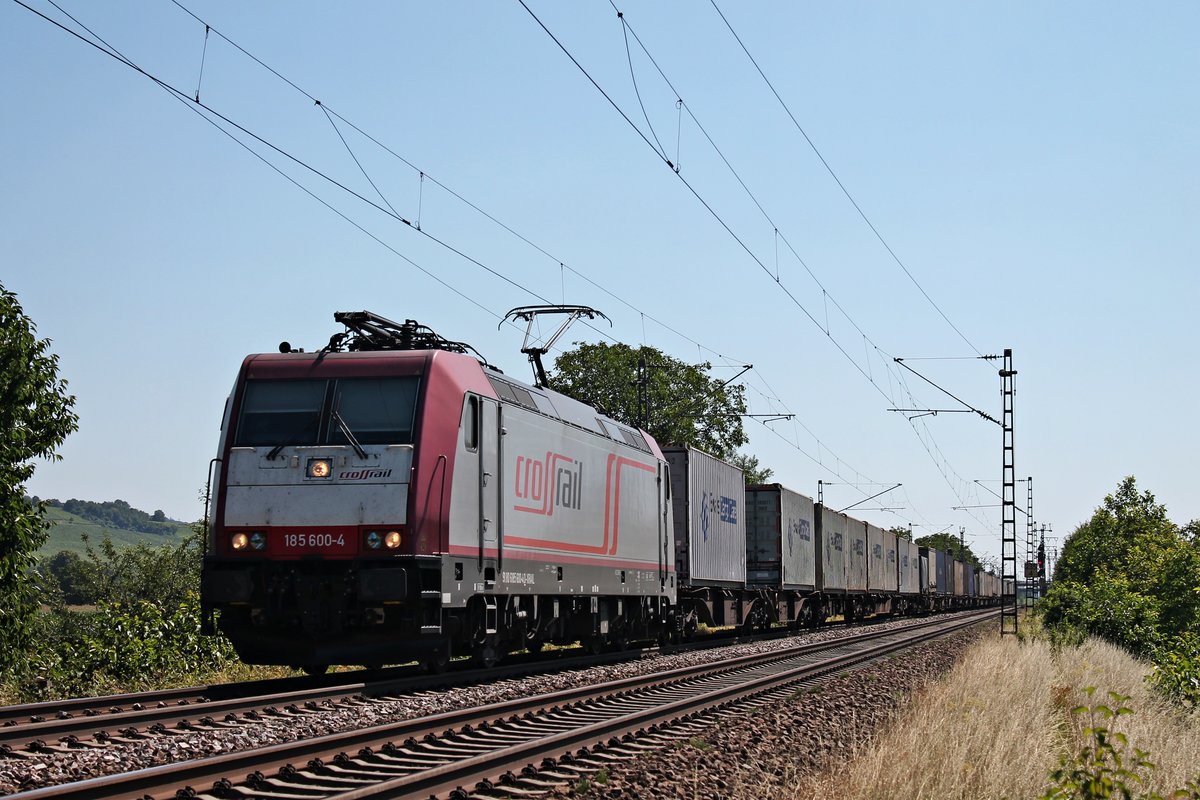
<point>838,181</point>
<point>329,112</point>
<point>199,108</point>
<point>104,47</point>
<point>942,464</point>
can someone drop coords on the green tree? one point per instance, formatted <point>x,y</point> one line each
<point>1131,576</point>
<point>902,532</point>
<point>752,471</point>
<point>948,543</point>
<point>36,416</point>
<point>1125,527</point>
<point>687,405</point>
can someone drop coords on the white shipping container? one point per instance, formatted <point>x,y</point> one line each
<point>882,571</point>
<point>709,499</point>
<point>779,537</point>
<point>831,550</point>
<point>856,555</point>
<point>909,566</point>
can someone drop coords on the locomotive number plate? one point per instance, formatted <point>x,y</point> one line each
<point>317,542</point>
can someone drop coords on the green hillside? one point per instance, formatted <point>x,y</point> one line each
<point>68,529</point>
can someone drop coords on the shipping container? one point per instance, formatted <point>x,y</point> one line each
<point>830,550</point>
<point>882,571</point>
<point>856,555</point>
<point>972,582</point>
<point>780,551</point>
<point>960,584</point>
<point>940,571</point>
<point>708,497</point>
<point>909,566</point>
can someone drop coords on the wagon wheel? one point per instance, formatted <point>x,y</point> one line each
<point>314,669</point>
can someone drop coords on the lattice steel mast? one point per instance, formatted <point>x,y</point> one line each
<point>1030,567</point>
<point>1008,526</point>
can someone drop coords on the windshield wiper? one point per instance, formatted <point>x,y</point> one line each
<point>345,429</point>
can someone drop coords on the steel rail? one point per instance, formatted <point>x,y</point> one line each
<point>495,767</point>
<point>166,780</point>
<point>50,725</point>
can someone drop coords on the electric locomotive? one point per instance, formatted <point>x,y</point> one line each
<point>393,497</point>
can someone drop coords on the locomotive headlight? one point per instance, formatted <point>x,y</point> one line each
<point>374,540</point>
<point>319,468</point>
<point>258,540</point>
<point>239,541</point>
<point>392,540</point>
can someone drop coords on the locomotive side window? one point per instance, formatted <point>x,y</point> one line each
<point>471,424</point>
<point>280,412</point>
<point>376,410</point>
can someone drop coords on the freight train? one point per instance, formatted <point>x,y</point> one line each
<point>393,497</point>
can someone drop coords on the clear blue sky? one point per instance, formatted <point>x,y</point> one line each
<point>1035,166</point>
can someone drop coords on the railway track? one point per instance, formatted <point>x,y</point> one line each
<point>66,724</point>
<point>499,743</point>
<point>60,725</point>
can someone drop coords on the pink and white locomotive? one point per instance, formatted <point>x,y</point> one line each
<point>392,497</point>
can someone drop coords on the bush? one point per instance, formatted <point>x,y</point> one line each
<point>122,645</point>
<point>1107,606</point>
<point>1106,766</point>
<point>1177,670</point>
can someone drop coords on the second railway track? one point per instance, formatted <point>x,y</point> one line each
<point>437,754</point>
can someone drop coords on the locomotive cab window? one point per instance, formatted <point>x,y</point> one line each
<point>313,412</point>
<point>280,412</point>
<point>375,410</point>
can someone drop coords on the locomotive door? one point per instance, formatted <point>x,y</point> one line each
<point>490,494</point>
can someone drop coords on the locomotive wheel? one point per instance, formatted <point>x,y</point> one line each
<point>437,662</point>
<point>484,656</point>
<point>314,669</point>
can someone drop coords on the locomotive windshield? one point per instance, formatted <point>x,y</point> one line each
<point>304,412</point>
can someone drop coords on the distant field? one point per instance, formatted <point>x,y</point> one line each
<point>68,531</point>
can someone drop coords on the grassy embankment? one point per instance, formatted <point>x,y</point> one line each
<point>997,725</point>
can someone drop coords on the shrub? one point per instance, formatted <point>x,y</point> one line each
<point>1176,670</point>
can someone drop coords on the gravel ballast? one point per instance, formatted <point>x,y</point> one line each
<point>762,753</point>
<point>46,769</point>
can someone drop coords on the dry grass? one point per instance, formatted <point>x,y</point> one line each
<point>999,722</point>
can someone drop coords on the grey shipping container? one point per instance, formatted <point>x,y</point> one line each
<point>831,549</point>
<point>940,578</point>
<point>856,555</point>
<point>960,584</point>
<point>972,582</point>
<point>882,572</point>
<point>708,497</point>
<point>909,566</point>
<point>780,551</point>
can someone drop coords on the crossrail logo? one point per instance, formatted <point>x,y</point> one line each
<point>363,474</point>
<point>541,485</point>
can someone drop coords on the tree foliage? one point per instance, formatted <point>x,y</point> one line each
<point>117,514</point>
<point>36,416</point>
<point>687,405</point>
<point>1132,576</point>
<point>752,471</point>
<point>949,543</point>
